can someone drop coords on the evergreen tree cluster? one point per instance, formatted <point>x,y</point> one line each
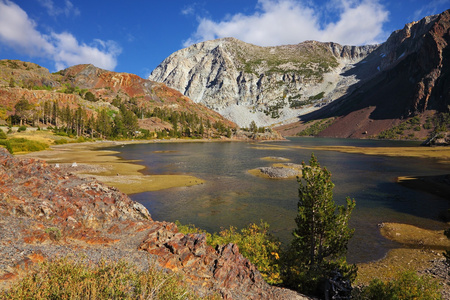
<point>120,123</point>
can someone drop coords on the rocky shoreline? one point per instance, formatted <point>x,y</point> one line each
<point>47,213</point>
<point>121,241</point>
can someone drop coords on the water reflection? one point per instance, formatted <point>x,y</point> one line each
<point>231,196</point>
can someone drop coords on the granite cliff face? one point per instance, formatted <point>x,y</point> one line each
<point>267,85</point>
<point>375,86</point>
<point>46,212</point>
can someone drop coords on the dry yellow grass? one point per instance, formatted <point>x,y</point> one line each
<point>106,167</point>
<point>258,173</point>
<point>43,136</point>
<point>132,184</point>
<point>275,158</point>
<point>419,248</point>
<point>442,154</point>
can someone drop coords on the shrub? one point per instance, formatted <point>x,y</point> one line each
<point>316,128</point>
<point>54,233</point>
<point>254,242</point>
<point>69,279</point>
<point>2,135</point>
<point>61,133</point>
<point>89,96</point>
<point>406,285</point>
<point>81,139</point>
<point>60,142</point>
<point>258,245</point>
<point>7,145</point>
<point>22,128</point>
<point>318,96</point>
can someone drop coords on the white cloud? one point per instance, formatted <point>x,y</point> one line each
<point>67,10</point>
<point>19,32</point>
<point>69,52</point>
<point>280,22</point>
<point>189,10</point>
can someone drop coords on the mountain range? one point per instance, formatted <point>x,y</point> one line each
<point>360,90</point>
<point>397,89</point>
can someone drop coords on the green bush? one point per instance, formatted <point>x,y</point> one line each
<point>70,279</point>
<point>2,135</point>
<point>61,142</point>
<point>7,145</point>
<point>22,128</point>
<point>406,285</point>
<point>257,244</point>
<point>61,133</point>
<point>316,128</point>
<point>318,96</point>
<point>81,139</point>
<point>90,97</point>
<point>254,242</point>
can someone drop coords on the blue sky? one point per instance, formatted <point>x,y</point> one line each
<point>135,36</point>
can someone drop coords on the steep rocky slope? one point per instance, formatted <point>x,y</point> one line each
<point>267,85</point>
<point>411,79</point>
<point>45,213</point>
<point>366,89</point>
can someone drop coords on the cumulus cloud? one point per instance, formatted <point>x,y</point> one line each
<point>280,22</point>
<point>19,32</point>
<point>68,51</point>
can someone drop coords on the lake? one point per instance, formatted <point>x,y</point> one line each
<point>232,197</point>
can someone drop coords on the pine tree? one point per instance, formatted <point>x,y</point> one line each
<point>130,122</point>
<point>322,234</point>
<point>55,113</point>
<point>253,128</point>
<point>23,109</point>
<point>104,124</point>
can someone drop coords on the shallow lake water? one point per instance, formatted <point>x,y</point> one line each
<point>231,196</point>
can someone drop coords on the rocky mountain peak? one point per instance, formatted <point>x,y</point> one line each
<point>280,85</point>
<point>268,85</point>
<point>405,77</point>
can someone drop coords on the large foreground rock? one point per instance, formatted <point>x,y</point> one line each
<point>46,213</point>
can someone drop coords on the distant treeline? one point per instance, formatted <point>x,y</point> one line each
<point>119,122</point>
